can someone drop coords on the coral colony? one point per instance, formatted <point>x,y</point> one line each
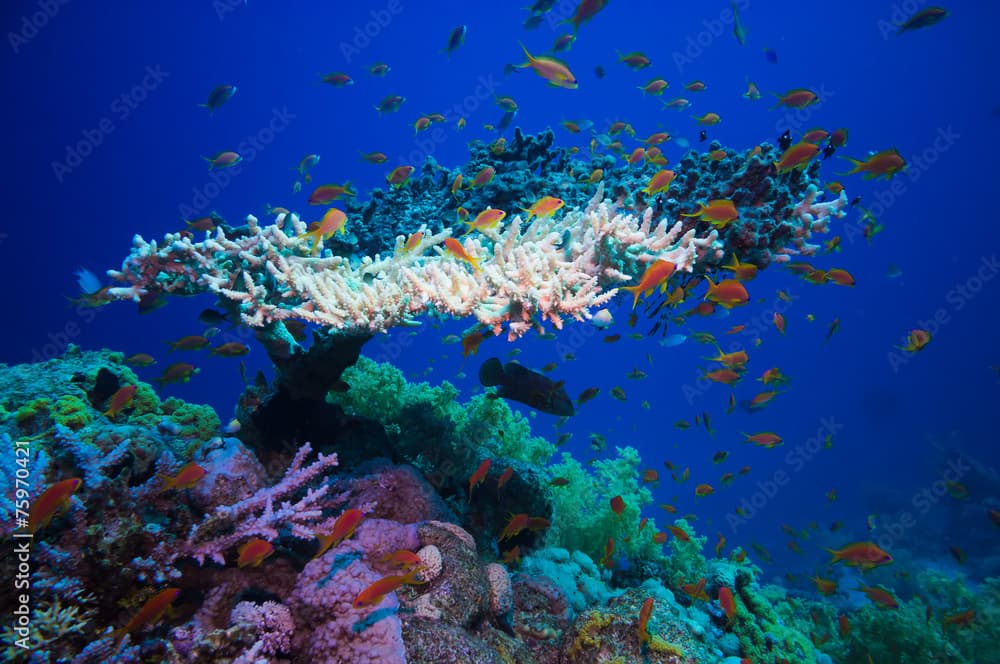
<point>468,545</point>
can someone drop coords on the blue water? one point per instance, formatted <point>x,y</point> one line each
<point>122,84</point>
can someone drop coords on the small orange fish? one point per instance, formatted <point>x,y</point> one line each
<point>374,593</point>
<point>150,613</point>
<point>765,439</point>
<point>708,119</point>
<point>882,597</point>
<point>52,501</point>
<point>402,558</point>
<point>644,613</point>
<point>727,293</point>
<point>742,271</point>
<point>253,552</point>
<point>617,505</point>
<point>703,490</point>
<point>515,524</point>
<point>609,550</point>
<point>840,277</point>
<point>779,322</point>
<point>334,221</point>
<point>504,478</point>
<point>456,249</point>
<point>727,602</point>
<point>544,207</point>
<point>120,400</point>
<point>824,586</point>
<point>413,242</point>
<point>488,219</point>
<point>797,98</point>
<point>552,70</point>
<point>679,533</point>
<point>865,555</point>
<point>658,273</point>
<point>696,590</point>
<point>719,212</point>
<point>796,156</point>
<point>400,175</point>
<point>659,183</point>
<point>185,478</point>
<point>343,528</point>
<point>479,475</point>
<point>884,164</point>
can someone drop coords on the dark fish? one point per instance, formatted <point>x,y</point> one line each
<point>523,385</point>
<point>924,18</point>
<point>855,201</point>
<point>506,120</point>
<point>219,96</point>
<point>541,6</point>
<point>533,22</point>
<point>771,55</point>
<point>212,317</point>
<point>151,301</point>
<point>599,71</point>
<point>785,140</point>
<point>702,136</point>
<point>456,39</point>
<point>828,151</point>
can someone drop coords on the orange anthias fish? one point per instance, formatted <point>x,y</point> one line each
<point>679,533</point>
<point>479,475</point>
<point>764,439</point>
<point>515,524</point>
<point>52,501</point>
<point>333,221</point>
<point>655,275</point>
<point>400,175</point>
<point>882,164</point>
<point>552,70</point>
<point>644,613</point>
<point>727,602</point>
<point>742,271</point>
<point>150,613</point>
<point>824,586</point>
<point>882,597</point>
<point>727,293</point>
<point>866,555</point>
<point>327,193</point>
<point>703,490</point>
<point>724,376</point>
<point>916,341</point>
<point>402,558</point>
<point>963,619</point>
<point>840,277</point>
<point>185,478</point>
<point>120,400</point>
<point>483,177</point>
<point>343,528</point>
<point>374,593</point>
<point>413,242</point>
<point>696,590</point>
<point>796,156</point>
<point>609,551</point>
<point>720,212</point>
<point>659,183</point>
<point>488,219</point>
<point>546,206</point>
<point>617,505</point>
<point>504,478</point>
<point>254,552</point>
<point>456,249</point>
<point>797,98</point>
<point>585,11</point>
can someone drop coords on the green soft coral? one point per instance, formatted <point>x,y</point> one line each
<point>582,514</point>
<point>413,413</point>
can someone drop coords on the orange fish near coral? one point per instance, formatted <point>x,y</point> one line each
<point>374,593</point>
<point>456,249</point>
<point>659,183</point>
<point>52,501</point>
<point>720,212</point>
<point>515,524</point>
<point>866,555</point>
<point>150,613</point>
<point>185,478</point>
<point>796,156</point>
<point>343,527</point>
<point>727,293</point>
<point>120,400</point>
<point>617,505</point>
<point>333,221</point>
<point>764,439</point>
<point>727,602</point>
<point>546,206</point>
<point>655,275</point>
<point>253,552</point>
<point>479,475</point>
<point>488,219</point>
<point>644,613</point>
<point>882,597</point>
<point>797,98</point>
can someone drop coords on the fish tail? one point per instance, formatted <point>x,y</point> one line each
<point>835,554</point>
<point>530,57</point>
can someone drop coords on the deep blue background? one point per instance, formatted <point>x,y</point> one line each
<point>903,92</point>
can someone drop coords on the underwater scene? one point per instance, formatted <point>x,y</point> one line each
<point>553,331</point>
